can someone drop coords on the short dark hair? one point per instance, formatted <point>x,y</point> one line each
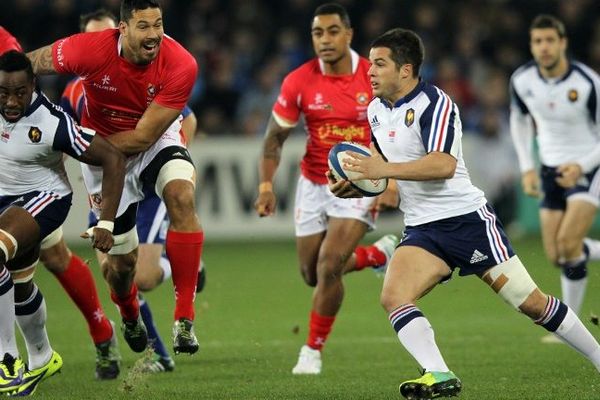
<point>406,47</point>
<point>334,8</point>
<point>543,21</point>
<point>14,61</point>
<point>97,15</point>
<point>129,6</point>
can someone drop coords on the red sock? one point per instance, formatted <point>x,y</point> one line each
<point>184,250</point>
<point>129,306</point>
<point>320,326</point>
<point>78,282</point>
<point>368,256</point>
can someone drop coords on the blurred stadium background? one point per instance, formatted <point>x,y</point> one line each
<point>253,315</point>
<point>245,48</point>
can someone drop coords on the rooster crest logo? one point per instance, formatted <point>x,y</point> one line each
<point>35,134</point>
<point>410,117</point>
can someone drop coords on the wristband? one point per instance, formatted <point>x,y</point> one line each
<point>103,224</point>
<point>265,187</point>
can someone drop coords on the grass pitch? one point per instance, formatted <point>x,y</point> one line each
<point>252,320</point>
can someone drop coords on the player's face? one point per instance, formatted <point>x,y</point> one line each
<point>547,47</point>
<point>15,94</point>
<point>142,35</point>
<point>386,78</point>
<point>99,25</point>
<point>331,39</point>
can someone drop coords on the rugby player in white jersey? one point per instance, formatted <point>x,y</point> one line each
<point>35,197</point>
<point>417,133</point>
<point>562,98</point>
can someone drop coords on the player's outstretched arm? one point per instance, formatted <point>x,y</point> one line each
<point>102,153</point>
<point>41,60</point>
<point>275,136</point>
<point>153,124</point>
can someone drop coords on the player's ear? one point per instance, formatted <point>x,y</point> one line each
<point>349,35</point>
<point>122,28</point>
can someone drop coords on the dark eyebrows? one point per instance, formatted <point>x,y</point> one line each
<point>145,22</point>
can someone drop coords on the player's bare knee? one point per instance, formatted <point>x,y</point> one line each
<point>511,281</point>
<point>147,281</point>
<point>568,246</point>
<point>55,258</point>
<point>330,267</point>
<point>309,275</point>
<point>8,246</point>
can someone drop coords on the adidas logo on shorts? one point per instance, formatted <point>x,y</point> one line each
<point>477,257</point>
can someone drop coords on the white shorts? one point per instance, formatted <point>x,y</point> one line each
<point>133,187</point>
<point>315,203</point>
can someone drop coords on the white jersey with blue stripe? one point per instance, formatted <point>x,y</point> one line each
<point>566,114</point>
<point>424,121</point>
<point>31,149</point>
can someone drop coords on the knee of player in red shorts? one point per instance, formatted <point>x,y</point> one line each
<point>147,280</point>
<point>330,267</point>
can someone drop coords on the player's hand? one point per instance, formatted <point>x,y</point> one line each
<point>531,183</point>
<point>265,203</point>
<point>342,188</point>
<point>569,174</point>
<point>102,239</point>
<point>367,167</point>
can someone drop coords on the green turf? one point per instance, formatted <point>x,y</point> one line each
<point>252,321</point>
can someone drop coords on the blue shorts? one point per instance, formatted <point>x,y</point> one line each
<point>555,196</point>
<point>151,221</point>
<point>473,242</point>
<point>47,208</point>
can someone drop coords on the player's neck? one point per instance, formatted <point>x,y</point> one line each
<point>343,66</point>
<point>560,69</point>
<point>404,88</point>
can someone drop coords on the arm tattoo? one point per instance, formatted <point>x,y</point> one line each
<point>273,144</point>
<point>41,59</point>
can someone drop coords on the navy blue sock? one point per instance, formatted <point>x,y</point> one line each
<point>153,336</point>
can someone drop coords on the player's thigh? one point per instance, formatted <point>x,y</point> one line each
<point>577,220</point>
<point>19,224</point>
<point>550,221</point>
<point>342,237</point>
<point>412,273</point>
<point>308,247</point>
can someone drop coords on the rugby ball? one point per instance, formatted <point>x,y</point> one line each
<point>368,187</point>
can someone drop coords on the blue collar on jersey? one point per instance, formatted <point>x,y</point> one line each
<point>34,104</point>
<point>411,95</point>
<point>564,77</point>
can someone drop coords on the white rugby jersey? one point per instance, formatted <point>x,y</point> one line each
<point>565,111</point>
<point>31,150</point>
<point>424,121</point>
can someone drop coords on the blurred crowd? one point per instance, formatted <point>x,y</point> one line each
<point>245,48</point>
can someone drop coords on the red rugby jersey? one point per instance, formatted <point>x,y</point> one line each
<point>118,92</point>
<point>334,108</point>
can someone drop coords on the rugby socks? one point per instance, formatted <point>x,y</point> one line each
<point>78,282</point>
<point>561,320</point>
<point>416,335</point>
<point>8,342</point>
<point>368,256</point>
<point>184,250</point>
<point>319,328</point>
<point>128,305</point>
<point>165,267</point>
<point>31,318</point>
<point>592,248</point>
<point>153,336</point>
<point>573,282</point>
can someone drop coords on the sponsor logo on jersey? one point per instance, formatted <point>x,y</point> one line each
<point>362,98</point>
<point>410,117</point>
<point>105,84</point>
<point>391,136</point>
<point>573,95</point>
<point>319,105</point>
<point>35,134</point>
<point>336,133</point>
<point>5,136</point>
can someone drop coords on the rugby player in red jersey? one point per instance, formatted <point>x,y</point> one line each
<point>137,80</point>
<point>327,230</point>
